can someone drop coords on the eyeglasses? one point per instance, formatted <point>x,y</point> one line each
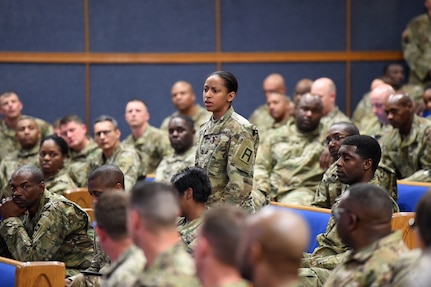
<point>334,139</point>
<point>105,133</point>
<point>336,212</point>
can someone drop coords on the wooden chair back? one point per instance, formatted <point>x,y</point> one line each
<point>15,273</point>
<point>400,221</point>
<point>80,196</point>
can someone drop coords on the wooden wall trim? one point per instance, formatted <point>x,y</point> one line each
<point>197,58</point>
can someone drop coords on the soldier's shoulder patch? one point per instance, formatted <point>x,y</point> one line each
<point>244,156</point>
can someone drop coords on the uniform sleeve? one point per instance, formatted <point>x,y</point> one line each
<point>322,198</point>
<point>129,163</point>
<point>424,173</point>
<point>240,165</point>
<point>48,236</point>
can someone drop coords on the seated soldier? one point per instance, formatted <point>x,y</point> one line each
<point>82,148</point>
<point>358,160</point>
<point>11,108</point>
<point>330,188</point>
<point>406,147</point>
<point>39,225</point>
<point>194,189</point>
<point>363,220</point>
<point>28,135</point>
<point>181,136</point>
<point>287,167</point>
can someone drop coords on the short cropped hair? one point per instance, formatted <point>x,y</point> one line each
<point>110,213</point>
<point>70,118</point>
<point>195,178</point>
<point>350,128</point>
<point>189,121</point>
<point>106,118</point>
<point>222,227</point>
<point>36,173</point>
<point>157,203</point>
<point>366,147</point>
<point>108,174</point>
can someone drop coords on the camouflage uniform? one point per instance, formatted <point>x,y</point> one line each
<point>226,149</point>
<point>59,183</point>
<point>79,163</point>
<point>335,116</point>
<point>412,269</point>
<point>409,156</point>
<point>287,165</point>
<point>363,111</point>
<point>416,43</point>
<point>188,231</point>
<point>11,162</point>
<point>8,139</point>
<point>126,159</point>
<point>330,188</point>
<point>57,232</point>
<point>199,117</point>
<point>172,164</point>
<point>261,118</point>
<point>173,268</point>
<point>241,283</point>
<point>152,146</point>
<point>374,128</point>
<point>373,265</point>
<point>124,271</point>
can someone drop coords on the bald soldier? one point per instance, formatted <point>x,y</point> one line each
<point>287,162</point>
<point>406,147</point>
<point>302,87</point>
<point>271,247</point>
<point>273,83</point>
<point>184,100</point>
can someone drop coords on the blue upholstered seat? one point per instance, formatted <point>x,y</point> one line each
<point>409,193</point>
<point>7,275</point>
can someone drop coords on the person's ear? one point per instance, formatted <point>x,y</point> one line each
<point>353,220</point>
<point>188,193</point>
<point>368,163</point>
<point>231,96</point>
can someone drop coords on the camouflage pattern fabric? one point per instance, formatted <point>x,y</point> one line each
<point>409,156</point>
<point>287,165</point>
<point>189,231</point>
<point>173,268</point>
<point>78,165</point>
<point>374,128</point>
<point>370,266</point>
<point>126,159</point>
<point>335,116</point>
<point>124,271</point>
<point>59,183</point>
<point>261,118</point>
<point>8,139</point>
<point>226,149</point>
<point>363,111</point>
<point>152,146</point>
<point>416,44</point>
<point>59,231</point>
<point>174,163</point>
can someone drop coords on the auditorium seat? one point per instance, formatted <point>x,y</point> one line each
<point>80,196</point>
<point>400,221</point>
<point>409,193</point>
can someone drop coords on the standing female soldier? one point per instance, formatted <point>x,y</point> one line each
<point>227,144</point>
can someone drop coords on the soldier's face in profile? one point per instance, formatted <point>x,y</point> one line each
<point>350,165</point>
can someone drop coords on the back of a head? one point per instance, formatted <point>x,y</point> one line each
<point>222,227</point>
<point>423,218</point>
<point>195,178</point>
<point>156,203</point>
<point>110,213</point>
<point>366,147</point>
<point>370,201</point>
<point>109,175</point>
<point>283,234</point>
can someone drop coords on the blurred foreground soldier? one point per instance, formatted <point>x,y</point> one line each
<point>217,243</point>
<point>181,136</point>
<point>152,214</point>
<point>39,225</point>
<point>127,259</point>
<point>364,224</point>
<point>271,247</point>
